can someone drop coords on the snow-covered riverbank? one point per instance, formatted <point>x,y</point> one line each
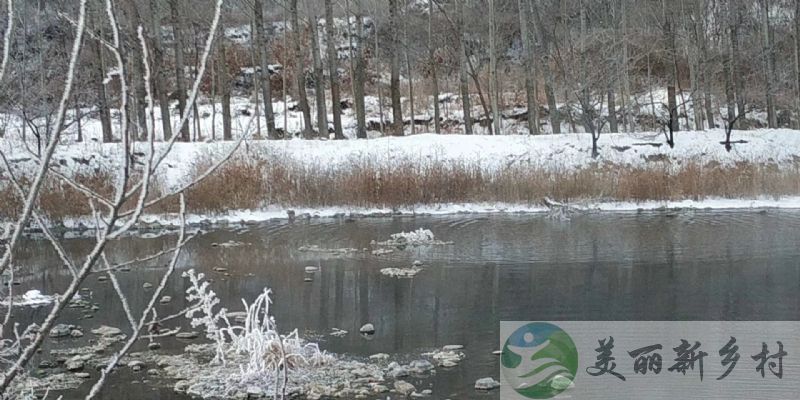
<point>254,217</point>
<point>549,156</point>
<point>552,152</point>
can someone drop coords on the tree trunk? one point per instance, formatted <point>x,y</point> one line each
<point>262,44</point>
<point>178,29</point>
<point>626,81</point>
<point>797,62</point>
<point>394,62</point>
<point>549,91</point>
<point>494,90</point>
<point>530,68</point>
<point>738,76</point>
<point>333,61</point>
<point>319,79</point>
<point>378,87</point>
<point>224,90</point>
<point>671,35</point>
<point>409,71</point>
<point>706,62</point>
<point>78,116</point>
<point>730,97</point>
<point>360,73</point>
<point>434,72</point>
<point>160,73</point>
<point>613,126</point>
<point>300,77</point>
<point>769,65</point>
<point>463,73</point>
<point>100,88</point>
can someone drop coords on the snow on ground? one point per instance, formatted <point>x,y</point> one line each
<point>563,152</point>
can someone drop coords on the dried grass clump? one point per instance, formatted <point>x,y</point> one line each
<point>278,179</point>
<point>238,183</point>
<point>256,180</point>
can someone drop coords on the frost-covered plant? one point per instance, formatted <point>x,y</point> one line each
<point>203,314</point>
<point>264,356</point>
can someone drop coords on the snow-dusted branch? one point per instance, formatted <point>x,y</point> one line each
<point>7,39</point>
<point>36,186</point>
<point>111,223</point>
<point>137,327</point>
<point>62,254</point>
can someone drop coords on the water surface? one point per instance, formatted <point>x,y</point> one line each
<point>699,265</point>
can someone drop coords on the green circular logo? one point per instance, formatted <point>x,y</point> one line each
<point>539,360</point>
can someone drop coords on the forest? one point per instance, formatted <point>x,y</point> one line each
<point>414,66</point>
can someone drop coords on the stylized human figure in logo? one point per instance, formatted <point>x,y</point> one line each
<point>539,360</point>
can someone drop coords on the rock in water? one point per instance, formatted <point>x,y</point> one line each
<point>165,299</point>
<point>61,330</point>
<point>404,388</point>
<point>420,366</point>
<point>107,331</point>
<point>367,329</point>
<point>136,365</point>
<point>187,335</point>
<point>395,370</point>
<point>74,364</point>
<point>486,384</point>
<point>181,386</point>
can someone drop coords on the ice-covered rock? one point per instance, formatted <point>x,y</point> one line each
<point>486,384</point>
<point>107,331</point>
<point>367,329</point>
<point>379,356</point>
<point>61,330</point>
<point>420,366</point>
<point>74,364</point>
<point>404,388</point>
<point>401,272</point>
<point>419,237</point>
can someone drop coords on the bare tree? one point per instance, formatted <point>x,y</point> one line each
<point>333,69</point>
<point>463,65</point>
<point>494,90</point>
<point>549,79</point>
<point>433,63</point>
<point>394,64</point>
<point>319,77</point>
<point>100,75</point>
<point>769,64</point>
<point>299,70</point>
<point>360,74</point>
<point>262,47</point>
<point>160,73</point>
<point>178,30</point>
<point>797,61</point>
<point>224,85</point>
<point>530,67</point>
